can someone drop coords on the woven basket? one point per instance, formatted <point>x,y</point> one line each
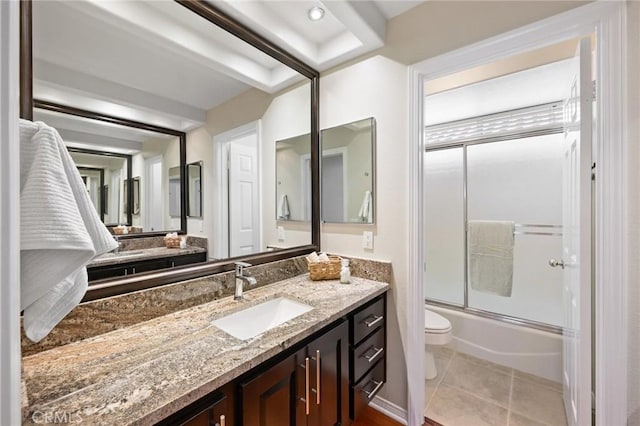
<point>172,242</point>
<point>119,231</point>
<point>325,270</point>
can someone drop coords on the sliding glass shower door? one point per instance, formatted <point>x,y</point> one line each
<point>517,183</point>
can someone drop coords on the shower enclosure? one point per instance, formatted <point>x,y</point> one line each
<point>500,167</point>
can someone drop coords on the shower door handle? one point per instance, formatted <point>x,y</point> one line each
<point>553,263</point>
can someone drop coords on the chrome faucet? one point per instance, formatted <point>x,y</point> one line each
<point>117,249</point>
<point>242,277</point>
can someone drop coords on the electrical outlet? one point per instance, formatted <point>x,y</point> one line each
<point>367,240</point>
<point>280,233</point>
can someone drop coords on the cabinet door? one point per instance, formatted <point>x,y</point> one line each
<point>274,397</point>
<point>215,409</point>
<point>330,378</point>
<point>147,265</point>
<point>101,272</point>
<point>187,259</point>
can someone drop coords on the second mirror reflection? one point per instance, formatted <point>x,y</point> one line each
<point>347,172</point>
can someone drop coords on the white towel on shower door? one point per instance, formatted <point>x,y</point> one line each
<point>60,230</point>
<point>491,256</point>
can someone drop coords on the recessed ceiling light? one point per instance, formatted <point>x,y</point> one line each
<point>316,13</point>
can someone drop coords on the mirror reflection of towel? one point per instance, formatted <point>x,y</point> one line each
<point>491,256</point>
<point>60,230</point>
<point>365,214</point>
<point>283,208</point>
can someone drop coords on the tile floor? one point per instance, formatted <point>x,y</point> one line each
<point>473,392</point>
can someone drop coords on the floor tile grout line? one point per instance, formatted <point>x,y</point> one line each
<point>440,380</point>
<point>511,374</point>
<point>481,398</point>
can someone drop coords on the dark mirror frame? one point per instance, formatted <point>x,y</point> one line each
<point>112,287</point>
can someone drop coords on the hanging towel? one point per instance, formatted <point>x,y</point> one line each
<point>491,256</point>
<point>365,214</point>
<point>60,230</point>
<point>283,208</point>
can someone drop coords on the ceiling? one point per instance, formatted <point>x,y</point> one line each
<point>159,63</point>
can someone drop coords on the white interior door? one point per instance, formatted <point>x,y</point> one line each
<point>244,232</point>
<point>576,257</point>
<point>153,206</point>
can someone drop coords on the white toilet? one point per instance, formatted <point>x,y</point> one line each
<point>437,332</point>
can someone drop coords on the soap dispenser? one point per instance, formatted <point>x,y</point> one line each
<point>345,272</point>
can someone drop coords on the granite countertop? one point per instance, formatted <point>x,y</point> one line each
<point>145,372</point>
<point>142,254</point>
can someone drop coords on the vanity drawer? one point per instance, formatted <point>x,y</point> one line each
<point>367,320</point>
<point>367,353</point>
<point>368,387</point>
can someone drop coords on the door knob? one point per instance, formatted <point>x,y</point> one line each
<point>553,263</point>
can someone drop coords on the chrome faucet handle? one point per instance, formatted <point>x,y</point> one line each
<point>240,267</point>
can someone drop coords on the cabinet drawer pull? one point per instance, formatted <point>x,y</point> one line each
<point>223,421</point>
<point>376,319</point>
<point>371,358</point>
<point>318,376</point>
<point>173,265</point>
<point>306,390</point>
<point>370,394</point>
<point>134,270</point>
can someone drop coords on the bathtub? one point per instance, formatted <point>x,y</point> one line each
<point>525,349</point>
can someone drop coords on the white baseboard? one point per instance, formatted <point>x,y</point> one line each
<point>389,409</point>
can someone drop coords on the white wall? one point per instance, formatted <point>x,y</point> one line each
<point>200,148</point>
<point>170,159</point>
<point>376,87</point>
<point>287,116</point>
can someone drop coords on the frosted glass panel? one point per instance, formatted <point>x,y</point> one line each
<point>521,181</point>
<point>444,226</point>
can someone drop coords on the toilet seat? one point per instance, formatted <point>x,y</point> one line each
<point>435,323</point>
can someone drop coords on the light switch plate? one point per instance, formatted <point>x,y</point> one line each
<point>367,240</point>
<point>280,233</point>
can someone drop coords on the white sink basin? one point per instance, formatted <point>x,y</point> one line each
<point>257,319</point>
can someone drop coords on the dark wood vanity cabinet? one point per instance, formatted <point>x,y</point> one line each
<point>367,353</point>
<point>136,267</point>
<point>324,380</point>
<point>308,388</point>
<point>215,409</point>
<point>272,396</point>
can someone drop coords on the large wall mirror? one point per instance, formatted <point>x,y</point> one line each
<point>348,167</point>
<point>186,68</point>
